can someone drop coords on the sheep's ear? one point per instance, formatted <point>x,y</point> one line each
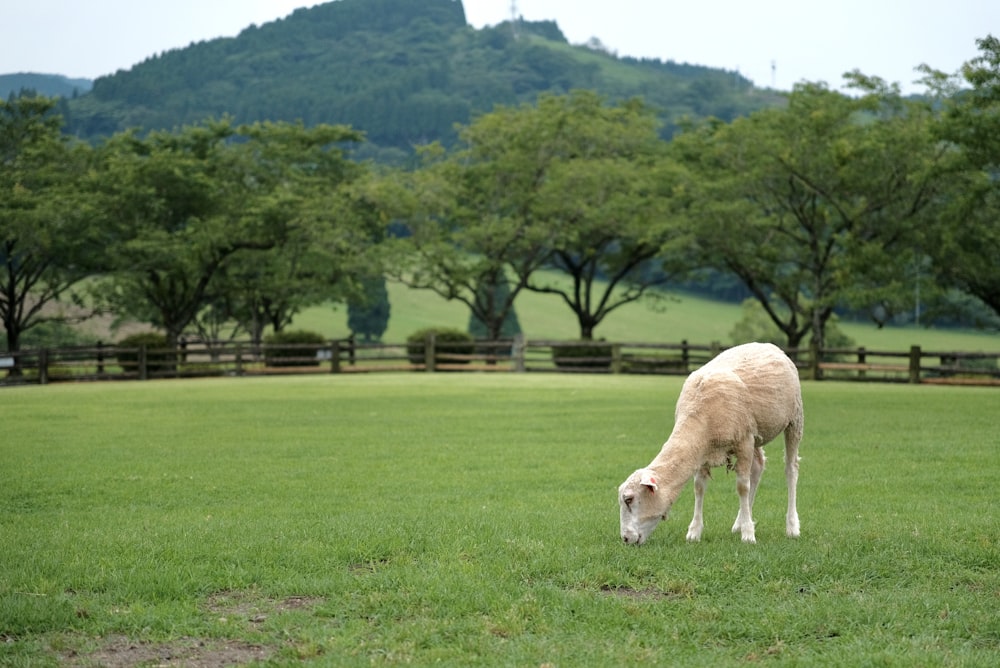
<point>648,480</point>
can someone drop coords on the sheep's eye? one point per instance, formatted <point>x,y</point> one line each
<point>628,501</point>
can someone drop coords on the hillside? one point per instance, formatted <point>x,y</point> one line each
<point>49,85</point>
<point>404,71</point>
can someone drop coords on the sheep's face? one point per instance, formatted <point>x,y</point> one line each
<point>641,508</point>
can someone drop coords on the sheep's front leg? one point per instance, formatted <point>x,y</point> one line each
<point>697,523</point>
<point>745,462</point>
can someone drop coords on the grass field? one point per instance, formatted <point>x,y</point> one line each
<point>470,519</point>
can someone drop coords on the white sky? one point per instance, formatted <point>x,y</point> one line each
<point>814,40</point>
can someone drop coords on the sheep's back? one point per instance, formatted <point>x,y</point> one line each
<point>753,387</point>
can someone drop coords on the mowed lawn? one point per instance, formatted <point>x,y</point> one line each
<point>471,519</point>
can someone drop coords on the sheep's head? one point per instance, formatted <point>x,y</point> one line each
<point>641,507</point>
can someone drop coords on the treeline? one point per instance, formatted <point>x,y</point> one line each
<point>829,202</point>
<point>49,85</point>
<point>403,71</point>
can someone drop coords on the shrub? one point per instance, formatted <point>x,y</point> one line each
<point>448,342</point>
<point>583,355</point>
<point>293,348</point>
<point>159,357</point>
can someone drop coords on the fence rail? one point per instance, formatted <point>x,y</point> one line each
<point>236,358</point>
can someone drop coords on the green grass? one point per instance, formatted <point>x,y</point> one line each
<point>470,519</point>
<point>700,321</point>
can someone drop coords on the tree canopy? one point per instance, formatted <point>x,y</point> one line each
<point>183,205</point>
<point>966,243</point>
<point>812,206</point>
<point>48,240</point>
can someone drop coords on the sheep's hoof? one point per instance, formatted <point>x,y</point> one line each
<point>750,539</point>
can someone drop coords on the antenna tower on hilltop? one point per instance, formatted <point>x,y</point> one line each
<point>513,17</point>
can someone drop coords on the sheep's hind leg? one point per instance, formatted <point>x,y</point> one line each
<point>756,471</point>
<point>697,523</point>
<point>744,488</point>
<point>793,435</point>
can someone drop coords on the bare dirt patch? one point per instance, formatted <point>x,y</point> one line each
<point>237,607</point>
<point>647,594</point>
<point>251,607</point>
<point>122,652</point>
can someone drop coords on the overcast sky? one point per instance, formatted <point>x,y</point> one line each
<point>772,42</point>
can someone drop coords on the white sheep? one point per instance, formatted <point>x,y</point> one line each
<point>727,411</point>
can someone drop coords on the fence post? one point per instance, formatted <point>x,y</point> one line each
<point>43,366</point>
<point>335,356</point>
<point>100,358</point>
<point>143,372</point>
<point>239,359</point>
<point>915,364</point>
<point>430,354</point>
<point>862,357</point>
<point>517,350</point>
<point>685,355</point>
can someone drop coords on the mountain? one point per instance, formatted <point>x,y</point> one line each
<point>49,85</point>
<point>403,71</point>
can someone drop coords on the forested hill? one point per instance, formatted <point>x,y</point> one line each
<point>403,71</point>
<point>49,85</point>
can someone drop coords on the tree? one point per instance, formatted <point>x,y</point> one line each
<point>606,194</point>
<point>184,204</point>
<point>48,239</point>
<point>570,183</point>
<point>330,232</point>
<point>965,242</point>
<point>813,205</point>
<point>368,315</point>
<point>467,227</point>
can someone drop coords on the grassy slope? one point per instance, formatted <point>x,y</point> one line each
<point>683,317</point>
<point>470,520</point>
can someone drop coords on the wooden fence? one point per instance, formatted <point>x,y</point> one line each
<point>199,359</point>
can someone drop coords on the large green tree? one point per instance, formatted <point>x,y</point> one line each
<point>467,231</point>
<point>607,196</point>
<point>184,204</point>
<point>328,237</point>
<point>571,183</point>
<point>816,205</point>
<point>48,237</point>
<point>965,241</point>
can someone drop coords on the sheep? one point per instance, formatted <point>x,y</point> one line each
<point>727,411</point>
